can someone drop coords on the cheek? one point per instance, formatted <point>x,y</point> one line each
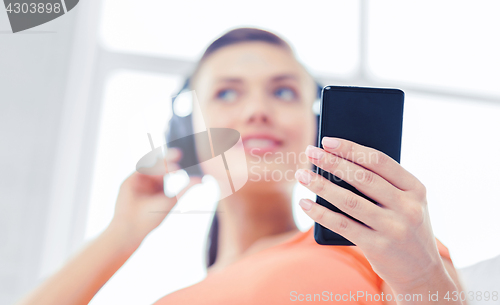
<point>301,131</point>
<point>206,114</point>
<point>218,117</point>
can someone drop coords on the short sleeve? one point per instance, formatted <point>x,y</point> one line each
<point>443,251</point>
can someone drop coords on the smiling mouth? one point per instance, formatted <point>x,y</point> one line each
<point>259,145</point>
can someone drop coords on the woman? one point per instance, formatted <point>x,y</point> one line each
<point>249,80</point>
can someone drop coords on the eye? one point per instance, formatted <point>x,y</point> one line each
<point>227,95</point>
<point>285,93</point>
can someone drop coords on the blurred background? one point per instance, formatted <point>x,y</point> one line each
<point>79,94</point>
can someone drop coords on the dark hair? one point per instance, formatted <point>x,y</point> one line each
<point>242,35</point>
<point>180,127</point>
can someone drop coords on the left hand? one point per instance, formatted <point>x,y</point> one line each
<point>398,242</point>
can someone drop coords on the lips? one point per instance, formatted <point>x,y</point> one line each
<point>260,144</point>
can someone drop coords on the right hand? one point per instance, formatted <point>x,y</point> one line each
<point>142,204</point>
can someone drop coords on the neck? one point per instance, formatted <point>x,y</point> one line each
<point>252,218</point>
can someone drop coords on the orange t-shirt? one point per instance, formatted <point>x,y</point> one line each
<point>293,271</point>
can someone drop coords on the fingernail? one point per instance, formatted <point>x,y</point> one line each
<point>303,176</point>
<point>173,153</point>
<point>330,143</point>
<point>305,204</point>
<point>314,152</point>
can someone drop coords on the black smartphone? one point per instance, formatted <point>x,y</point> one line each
<point>371,117</point>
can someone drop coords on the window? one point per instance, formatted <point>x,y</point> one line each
<point>325,34</point>
<point>446,45</point>
<point>451,146</point>
<point>133,105</point>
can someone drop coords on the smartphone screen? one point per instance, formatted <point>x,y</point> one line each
<point>371,117</point>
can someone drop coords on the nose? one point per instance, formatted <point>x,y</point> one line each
<point>258,109</point>
<point>259,117</point>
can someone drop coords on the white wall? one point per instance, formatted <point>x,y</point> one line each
<point>33,79</point>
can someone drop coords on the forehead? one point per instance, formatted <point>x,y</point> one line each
<point>251,60</point>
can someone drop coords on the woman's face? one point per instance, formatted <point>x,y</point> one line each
<point>260,90</point>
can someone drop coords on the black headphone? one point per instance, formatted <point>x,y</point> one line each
<point>180,127</point>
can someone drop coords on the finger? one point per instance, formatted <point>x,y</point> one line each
<point>173,154</point>
<point>372,159</point>
<point>364,180</point>
<point>338,223</point>
<point>348,202</point>
<point>142,183</point>
<point>168,203</point>
<point>171,167</point>
<point>192,181</point>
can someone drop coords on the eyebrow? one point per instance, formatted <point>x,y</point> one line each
<point>229,80</point>
<point>284,77</point>
<point>274,79</point>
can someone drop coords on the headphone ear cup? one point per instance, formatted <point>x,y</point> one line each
<point>182,127</point>
<point>179,127</point>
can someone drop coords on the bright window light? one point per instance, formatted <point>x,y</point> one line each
<point>134,104</point>
<point>450,45</point>
<point>452,147</point>
<point>325,33</point>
